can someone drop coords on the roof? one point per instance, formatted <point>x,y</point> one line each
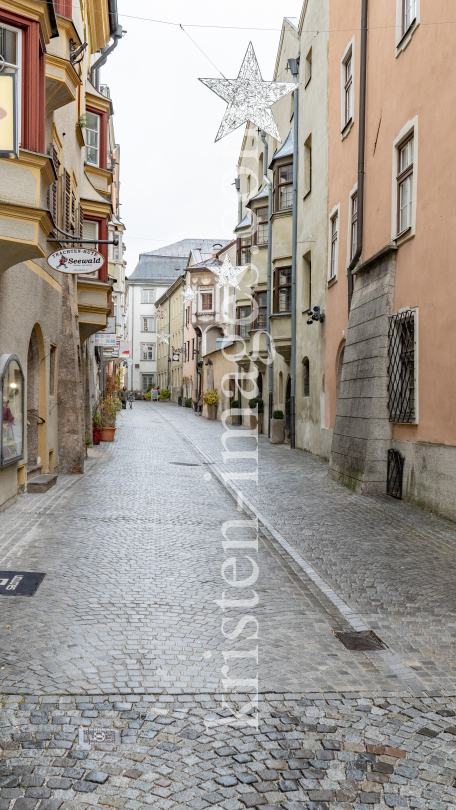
<point>293,22</point>
<point>286,150</point>
<point>262,195</point>
<point>165,264</point>
<point>244,223</point>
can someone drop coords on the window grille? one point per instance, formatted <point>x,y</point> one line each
<point>401,367</point>
<point>395,474</point>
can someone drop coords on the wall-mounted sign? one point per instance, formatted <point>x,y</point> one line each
<point>175,356</point>
<point>75,260</point>
<point>104,339</point>
<point>110,325</point>
<point>9,142</point>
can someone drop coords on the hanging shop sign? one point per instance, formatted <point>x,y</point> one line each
<point>175,356</point>
<point>110,325</point>
<point>104,339</point>
<point>9,142</point>
<point>76,260</point>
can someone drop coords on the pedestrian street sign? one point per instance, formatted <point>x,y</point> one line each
<point>19,583</point>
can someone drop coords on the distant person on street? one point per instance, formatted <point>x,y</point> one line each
<point>131,399</point>
<point>123,396</point>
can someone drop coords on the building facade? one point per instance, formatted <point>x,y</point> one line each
<point>54,179</point>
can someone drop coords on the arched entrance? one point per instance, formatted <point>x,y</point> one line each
<point>36,400</point>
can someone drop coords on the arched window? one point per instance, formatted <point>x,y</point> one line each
<point>12,385</point>
<point>305,377</point>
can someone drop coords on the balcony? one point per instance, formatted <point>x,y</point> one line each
<point>281,334</point>
<point>25,222</point>
<point>93,306</point>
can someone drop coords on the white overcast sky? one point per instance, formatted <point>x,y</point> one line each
<point>175,181</point>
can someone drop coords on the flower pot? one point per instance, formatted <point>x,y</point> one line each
<point>211,411</point>
<point>96,435</point>
<point>277,431</point>
<point>107,434</point>
<point>256,422</point>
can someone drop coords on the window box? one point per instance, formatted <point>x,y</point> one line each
<point>13,419</point>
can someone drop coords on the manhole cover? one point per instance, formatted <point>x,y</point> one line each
<point>184,464</point>
<point>363,641</point>
<point>89,736</point>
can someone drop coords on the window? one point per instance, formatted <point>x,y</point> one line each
<point>193,348</point>
<point>90,231</point>
<point>13,422</point>
<point>147,295</point>
<point>10,49</point>
<point>261,321</point>
<point>148,381</point>
<point>206,301</point>
<point>354,225</point>
<point>408,14</point>
<point>308,68</point>
<point>405,185</point>
<point>305,377</point>
<point>334,240</point>
<point>348,88</point>
<point>147,351</point>
<point>244,321</point>
<point>284,187</point>
<point>282,289</point>
<point>246,243</point>
<point>307,281</point>
<point>187,316</point>
<point>401,367</point>
<point>148,324</point>
<point>263,223</point>
<point>308,165</point>
<point>93,138</point>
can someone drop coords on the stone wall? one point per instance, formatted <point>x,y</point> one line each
<point>362,432</point>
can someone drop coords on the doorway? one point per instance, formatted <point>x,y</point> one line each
<point>36,399</point>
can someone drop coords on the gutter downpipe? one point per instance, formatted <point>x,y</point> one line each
<point>361,150</point>
<point>105,52</point>
<point>237,185</point>
<point>268,334</point>
<point>293,64</point>
<point>169,344</point>
<point>183,333</point>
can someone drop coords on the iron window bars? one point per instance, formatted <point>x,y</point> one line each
<point>401,367</point>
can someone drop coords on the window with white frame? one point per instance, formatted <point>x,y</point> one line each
<point>348,88</point>
<point>308,68</point>
<point>408,14</point>
<point>206,299</point>
<point>405,184</point>
<point>334,230</point>
<point>147,351</point>
<point>147,295</point>
<point>354,224</point>
<point>92,138</point>
<point>10,49</point>
<point>148,324</point>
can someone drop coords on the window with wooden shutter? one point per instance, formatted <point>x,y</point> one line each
<point>53,191</point>
<point>66,191</point>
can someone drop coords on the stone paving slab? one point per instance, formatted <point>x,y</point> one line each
<point>312,751</point>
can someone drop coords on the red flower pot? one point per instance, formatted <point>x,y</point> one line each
<point>96,435</point>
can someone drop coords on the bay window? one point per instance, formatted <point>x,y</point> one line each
<point>244,321</point>
<point>246,243</point>
<point>284,187</point>
<point>206,301</point>
<point>262,225</point>
<point>93,138</point>
<point>282,289</point>
<point>261,299</point>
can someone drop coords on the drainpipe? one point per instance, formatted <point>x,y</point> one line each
<point>293,64</point>
<point>183,337</point>
<point>269,288</point>
<point>133,290</point>
<point>361,151</point>
<point>105,52</point>
<point>237,185</point>
<point>169,344</point>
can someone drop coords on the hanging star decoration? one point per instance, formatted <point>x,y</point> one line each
<point>163,338</point>
<point>228,274</point>
<point>249,98</point>
<point>159,313</point>
<point>188,295</point>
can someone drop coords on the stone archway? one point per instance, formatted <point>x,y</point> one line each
<point>36,399</point>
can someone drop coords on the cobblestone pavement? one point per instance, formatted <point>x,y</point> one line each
<point>124,635</point>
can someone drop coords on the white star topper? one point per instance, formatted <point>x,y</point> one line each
<point>249,98</point>
<point>188,294</point>
<point>162,338</point>
<point>228,274</point>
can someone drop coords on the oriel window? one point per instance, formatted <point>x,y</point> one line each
<point>282,289</point>
<point>244,321</point>
<point>206,301</point>
<point>261,299</point>
<point>246,243</point>
<point>284,187</point>
<point>93,138</point>
<point>262,232</point>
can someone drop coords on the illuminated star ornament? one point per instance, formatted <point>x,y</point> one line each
<point>249,98</point>
<point>228,274</point>
<point>163,338</point>
<point>188,295</point>
<point>159,313</point>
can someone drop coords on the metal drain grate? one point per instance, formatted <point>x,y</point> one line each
<point>184,464</point>
<point>362,641</point>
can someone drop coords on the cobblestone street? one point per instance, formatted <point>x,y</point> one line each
<point>125,637</point>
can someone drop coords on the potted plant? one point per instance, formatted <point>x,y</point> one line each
<point>109,409</point>
<point>96,428</point>
<point>164,394</point>
<point>277,427</point>
<point>188,402</point>
<point>256,419</point>
<point>210,399</point>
